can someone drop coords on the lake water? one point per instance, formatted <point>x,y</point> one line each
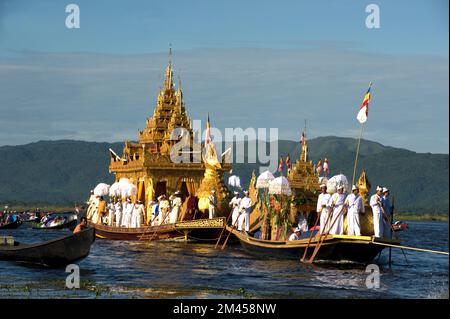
<point>120,269</point>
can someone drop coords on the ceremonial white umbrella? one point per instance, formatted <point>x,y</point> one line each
<point>128,190</point>
<point>114,190</point>
<point>335,181</point>
<point>101,189</point>
<point>234,181</point>
<point>280,186</point>
<point>264,179</point>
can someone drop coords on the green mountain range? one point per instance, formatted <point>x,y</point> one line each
<point>62,172</point>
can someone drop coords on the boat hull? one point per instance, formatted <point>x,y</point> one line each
<point>358,249</point>
<point>70,225</point>
<point>55,253</point>
<point>202,230</point>
<point>12,225</point>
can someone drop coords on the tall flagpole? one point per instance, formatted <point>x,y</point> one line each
<point>357,153</point>
<point>366,104</point>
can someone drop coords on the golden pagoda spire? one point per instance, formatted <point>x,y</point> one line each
<point>168,82</point>
<point>304,152</point>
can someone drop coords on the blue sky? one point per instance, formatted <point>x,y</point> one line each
<point>249,63</point>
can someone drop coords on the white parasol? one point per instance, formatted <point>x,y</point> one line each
<point>101,189</point>
<point>234,181</point>
<point>280,186</point>
<point>264,179</point>
<point>335,181</point>
<point>128,190</point>
<point>114,190</point>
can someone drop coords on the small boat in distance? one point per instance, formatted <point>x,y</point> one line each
<point>13,225</point>
<point>69,222</point>
<point>54,253</point>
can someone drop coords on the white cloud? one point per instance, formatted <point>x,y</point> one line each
<point>107,97</point>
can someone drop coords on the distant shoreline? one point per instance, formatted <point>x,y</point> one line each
<point>397,216</point>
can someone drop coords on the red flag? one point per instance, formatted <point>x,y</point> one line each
<point>288,162</point>
<point>302,139</point>
<point>319,167</point>
<point>325,166</point>
<point>280,166</point>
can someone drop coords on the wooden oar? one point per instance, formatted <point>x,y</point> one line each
<point>316,250</point>
<point>310,236</point>
<point>150,226</point>
<point>223,229</point>
<point>324,231</point>
<point>229,233</point>
<point>156,230</point>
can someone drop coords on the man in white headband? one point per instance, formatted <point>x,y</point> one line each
<point>234,204</point>
<point>244,210</point>
<point>355,207</point>
<point>375,203</point>
<point>322,208</point>
<point>336,204</point>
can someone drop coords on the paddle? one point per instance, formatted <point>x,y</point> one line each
<point>310,236</point>
<point>156,230</point>
<point>322,238</point>
<point>229,233</point>
<point>223,229</point>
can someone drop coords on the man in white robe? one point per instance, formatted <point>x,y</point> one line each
<point>234,204</point>
<point>118,212</point>
<point>111,212</point>
<point>336,205</point>
<point>176,207</point>
<point>296,235</point>
<point>127,213</point>
<point>355,207</point>
<point>137,214</point>
<point>244,209</point>
<point>322,209</point>
<point>375,203</point>
<point>164,210</point>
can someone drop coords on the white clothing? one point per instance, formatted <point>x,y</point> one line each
<point>118,212</point>
<point>336,203</point>
<point>294,237</point>
<point>127,214</point>
<point>323,211</point>
<point>137,214</point>
<point>234,204</point>
<point>377,215</point>
<point>176,204</point>
<point>244,218</point>
<point>111,211</point>
<point>212,206</point>
<point>163,216</point>
<point>355,207</point>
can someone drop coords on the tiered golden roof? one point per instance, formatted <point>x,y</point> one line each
<point>148,163</point>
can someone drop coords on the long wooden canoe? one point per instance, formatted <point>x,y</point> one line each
<point>13,225</point>
<point>53,253</point>
<point>70,224</point>
<point>360,249</point>
<point>201,230</point>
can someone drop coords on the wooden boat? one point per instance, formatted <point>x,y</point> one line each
<point>359,249</point>
<point>202,230</point>
<point>399,226</point>
<point>53,253</point>
<point>13,225</point>
<point>70,224</point>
